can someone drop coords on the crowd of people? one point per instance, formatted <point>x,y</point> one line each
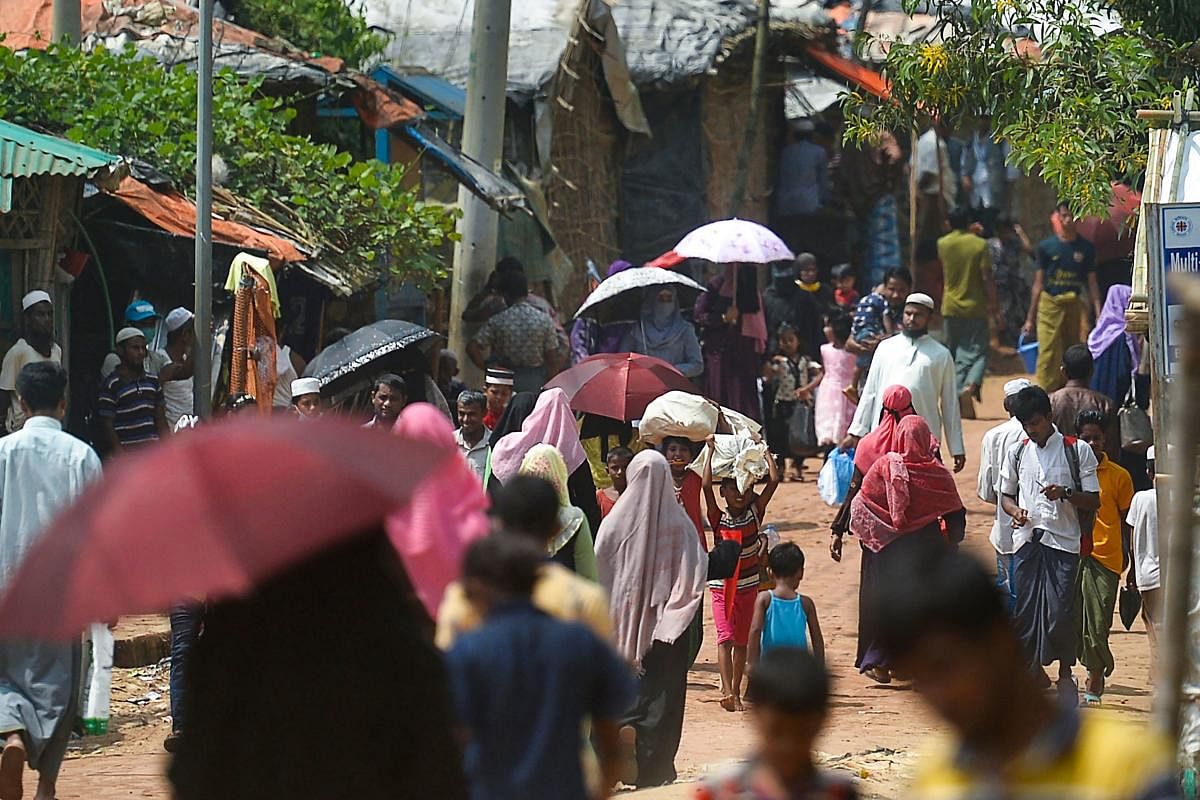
<point>576,612</point>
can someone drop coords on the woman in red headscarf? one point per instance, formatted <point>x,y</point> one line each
<point>885,439</point>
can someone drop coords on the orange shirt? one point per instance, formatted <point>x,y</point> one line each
<point>1116,495</point>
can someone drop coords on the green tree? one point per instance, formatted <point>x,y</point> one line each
<point>321,27</point>
<point>1066,106</point>
<point>126,104</point>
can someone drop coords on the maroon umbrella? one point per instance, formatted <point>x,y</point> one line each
<point>209,514</point>
<point>618,385</point>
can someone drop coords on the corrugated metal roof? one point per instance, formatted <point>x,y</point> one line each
<point>440,98</point>
<point>25,153</point>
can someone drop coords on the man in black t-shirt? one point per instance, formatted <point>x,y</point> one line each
<point>1066,263</point>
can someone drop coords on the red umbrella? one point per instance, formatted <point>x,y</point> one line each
<point>207,515</point>
<point>618,385</point>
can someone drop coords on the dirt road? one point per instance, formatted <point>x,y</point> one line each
<point>874,732</point>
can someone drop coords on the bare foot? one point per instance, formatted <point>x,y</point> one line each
<point>727,702</point>
<point>737,704</point>
<point>627,740</point>
<point>12,768</point>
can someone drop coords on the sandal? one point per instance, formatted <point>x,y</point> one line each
<point>12,771</point>
<point>1090,700</point>
<point>880,675</point>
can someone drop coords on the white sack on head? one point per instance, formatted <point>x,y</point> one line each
<point>736,456</point>
<point>678,414</point>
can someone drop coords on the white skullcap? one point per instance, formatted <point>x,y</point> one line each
<point>1016,385</point>
<point>125,334</point>
<point>303,386</point>
<point>919,299</point>
<point>178,318</point>
<point>33,298</point>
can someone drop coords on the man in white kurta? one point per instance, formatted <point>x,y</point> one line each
<point>42,469</point>
<point>922,365</point>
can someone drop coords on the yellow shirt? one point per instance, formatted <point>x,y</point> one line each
<point>559,592</point>
<point>964,257</point>
<point>591,446</point>
<point>1116,496</point>
<point>1104,759</point>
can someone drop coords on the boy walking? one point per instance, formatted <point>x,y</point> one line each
<point>789,696</point>
<point>1102,559</point>
<point>524,682</point>
<point>1046,479</point>
<point>782,616</point>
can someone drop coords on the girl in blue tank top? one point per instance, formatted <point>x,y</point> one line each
<point>783,617</point>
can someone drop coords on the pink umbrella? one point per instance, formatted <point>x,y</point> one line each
<point>618,385</point>
<point>734,241</point>
<point>210,514</point>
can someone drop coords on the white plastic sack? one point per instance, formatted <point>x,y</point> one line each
<point>97,684</point>
<point>833,481</point>
<point>736,456</point>
<point>678,414</point>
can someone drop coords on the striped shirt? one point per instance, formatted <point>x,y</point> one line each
<point>131,405</point>
<point>745,528</point>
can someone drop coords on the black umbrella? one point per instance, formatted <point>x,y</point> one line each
<point>389,344</point>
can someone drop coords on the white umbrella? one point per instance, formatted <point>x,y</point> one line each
<point>619,298</point>
<point>734,241</point>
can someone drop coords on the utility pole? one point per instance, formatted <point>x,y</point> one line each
<point>761,44</point>
<point>482,140</point>
<point>202,382</point>
<point>66,24</point>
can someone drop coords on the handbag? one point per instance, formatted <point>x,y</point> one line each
<point>1136,431</point>
<point>1130,604</point>
<point>802,428</point>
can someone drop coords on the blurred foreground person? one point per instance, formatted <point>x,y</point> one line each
<point>524,682</point>
<point>951,633</point>
<point>42,469</point>
<point>346,696</point>
<point>789,701</point>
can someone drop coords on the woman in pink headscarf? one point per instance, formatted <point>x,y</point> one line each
<point>734,330</point>
<point>884,439</point>
<point>906,498</point>
<point>551,421</point>
<point>432,532</point>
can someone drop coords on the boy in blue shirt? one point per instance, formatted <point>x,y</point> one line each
<point>523,683</point>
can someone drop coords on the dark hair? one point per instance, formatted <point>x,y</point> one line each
<point>473,398</point>
<point>393,380</point>
<point>509,264</point>
<point>899,273</point>
<point>786,559</point>
<point>42,385</point>
<point>513,285</point>
<point>619,452</point>
<point>844,270</point>
<point>527,504</point>
<point>841,325</point>
<point>1062,203</point>
<point>509,564</point>
<point>954,594</point>
<point>446,356</point>
<point>173,336</point>
<point>926,251</point>
<point>805,260</point>
<point>791,680</point>
<point>787,327</point>
<point>1029,402</point>
<point>1078,362</point>
<point>691,446</point>
<point>960,218</point>
<point>1091,416</point>
<point>731,482</point>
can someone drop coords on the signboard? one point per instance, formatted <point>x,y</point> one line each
<point>1179,234</point>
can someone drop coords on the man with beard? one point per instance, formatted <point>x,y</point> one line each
<point>37,345</point>
<point>923,366</point>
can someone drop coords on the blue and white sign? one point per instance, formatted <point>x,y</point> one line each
<point>1180,253</point>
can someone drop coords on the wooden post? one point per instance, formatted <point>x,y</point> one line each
<point>761,45</point>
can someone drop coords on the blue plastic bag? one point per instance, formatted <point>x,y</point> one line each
<point>834,479</point>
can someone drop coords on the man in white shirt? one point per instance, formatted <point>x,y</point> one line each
<point>996,444</point>
<point>472,436</point>
<point>922,365</point>
<point>42,470</point>
<point>1044,482</point>
<point>37,345</point>
<point>1144,571</point>
<point>937,184</point>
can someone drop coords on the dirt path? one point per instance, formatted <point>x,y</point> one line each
<point>874,732</point>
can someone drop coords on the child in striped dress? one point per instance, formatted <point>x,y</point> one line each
<point>733,599</point>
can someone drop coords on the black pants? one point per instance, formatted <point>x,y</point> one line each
<point>657,715</point>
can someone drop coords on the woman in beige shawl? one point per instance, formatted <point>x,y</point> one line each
<point>654,569</point>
